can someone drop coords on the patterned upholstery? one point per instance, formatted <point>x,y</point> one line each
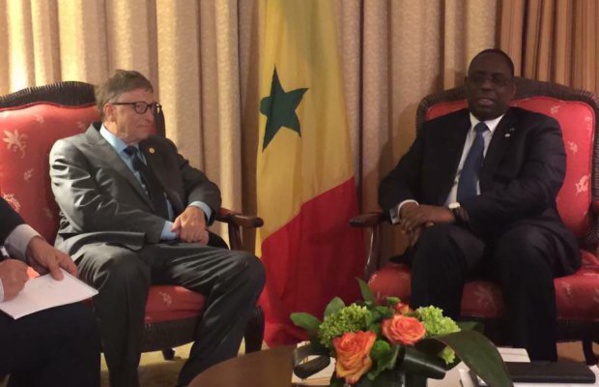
<point>577,295</point>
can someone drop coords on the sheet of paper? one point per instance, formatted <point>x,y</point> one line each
<point>44,292</point>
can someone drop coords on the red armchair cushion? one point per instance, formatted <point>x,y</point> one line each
<point>167,303</point>
<point>28,133</point>
<point>577,295</point>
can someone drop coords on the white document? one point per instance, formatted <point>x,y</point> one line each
<point>44,292</point>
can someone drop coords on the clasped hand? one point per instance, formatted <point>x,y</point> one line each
<point>191,226</point>
<point>414,217</point>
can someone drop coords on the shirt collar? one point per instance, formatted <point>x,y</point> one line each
<point>491,124</point>
<point>118,144</point>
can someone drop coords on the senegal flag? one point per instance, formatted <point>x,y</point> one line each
<point>306,188</point>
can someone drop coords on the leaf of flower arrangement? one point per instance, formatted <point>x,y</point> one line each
<point>471,326</point>
<point>383,312</point>
<point>480,355</point>
<point>424,364</point>
<point>304,368</point>
<point>384,356</point>
<point>336,382</point>
<point>392,301</point>
<point>306,321</point>
<point>367,295</point>
<point>334,306</point>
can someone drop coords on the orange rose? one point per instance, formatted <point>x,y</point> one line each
<point>402,308</point>
<point>404,330</point>
<point>353,354</point>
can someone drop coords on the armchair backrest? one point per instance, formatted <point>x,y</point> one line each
<point>31,120</point>
<point>576,111</point>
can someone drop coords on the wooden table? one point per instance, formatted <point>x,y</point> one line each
<point>273,368</point>
<point>268,368</point>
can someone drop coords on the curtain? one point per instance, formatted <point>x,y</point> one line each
<point>202,57</point>
<point>553,40</point>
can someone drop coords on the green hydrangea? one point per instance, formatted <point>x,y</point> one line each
<point>349,319</point>
<point>448,355</point>
<point>436,324</point>
<point>434,321</point>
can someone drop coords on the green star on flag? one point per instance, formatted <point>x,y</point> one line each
<point>279,108</point>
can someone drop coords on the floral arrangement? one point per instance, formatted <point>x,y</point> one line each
<point>375,344</point>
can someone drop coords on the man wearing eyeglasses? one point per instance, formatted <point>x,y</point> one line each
<point>135,213</point>
<point>476,195</point>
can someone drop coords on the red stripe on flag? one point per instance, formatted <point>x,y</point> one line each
<point>312,259</point>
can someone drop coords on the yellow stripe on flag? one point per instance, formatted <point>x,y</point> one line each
<point>299,42</point>
<point>306,190</point>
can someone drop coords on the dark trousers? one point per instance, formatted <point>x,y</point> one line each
<point>55,347</point>
<point>231,280</point>
<point>522,261</point>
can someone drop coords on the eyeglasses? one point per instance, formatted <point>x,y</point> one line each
<point>142,107</point>
<point>478,78</point>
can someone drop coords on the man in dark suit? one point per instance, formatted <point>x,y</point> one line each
<point>135,213</point>
<point>476,194</point>
<point>54,347</point>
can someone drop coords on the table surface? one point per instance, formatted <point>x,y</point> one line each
<point>273,368</point>
<point>269,368</point>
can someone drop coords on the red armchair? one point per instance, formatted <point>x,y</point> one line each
<point>31,120</point>
<point>577,295</point>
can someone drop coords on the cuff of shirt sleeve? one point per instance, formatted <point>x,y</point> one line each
<point>394,212</point>
<point>204,207</point>
<point>1,291</point>
<point>167,234</point>
<point>18,240</point>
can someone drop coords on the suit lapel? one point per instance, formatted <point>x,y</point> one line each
<point>107,153</point>
<point>504,133</point>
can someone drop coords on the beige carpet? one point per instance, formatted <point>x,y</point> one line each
<point>154,371</point>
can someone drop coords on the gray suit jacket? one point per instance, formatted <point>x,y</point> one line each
<point>101,201</point>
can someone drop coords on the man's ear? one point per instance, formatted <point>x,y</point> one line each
<point>108,110</point>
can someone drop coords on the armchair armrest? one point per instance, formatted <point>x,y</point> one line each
<point>235,221</point>
<point>369,219</point>
<point>237,218</point>
<point>372,221</point>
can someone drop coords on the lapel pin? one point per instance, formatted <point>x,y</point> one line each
<point>152,150</point>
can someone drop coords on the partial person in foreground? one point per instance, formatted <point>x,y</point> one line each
<point>55,347</point>
<point>476,194</point>
<point>135,213</point>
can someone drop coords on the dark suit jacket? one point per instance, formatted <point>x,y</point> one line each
<point>10,220</point>
<point>101,201</point>
<point>522,172</point>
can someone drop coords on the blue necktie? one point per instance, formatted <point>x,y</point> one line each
<point>153,188</point>
<point>472,164</point>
